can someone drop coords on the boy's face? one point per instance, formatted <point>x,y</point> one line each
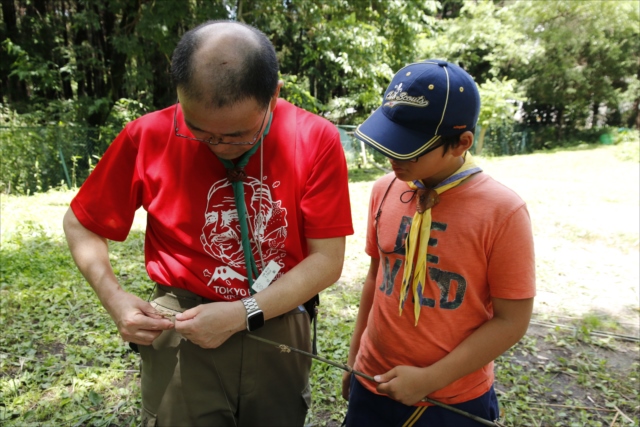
<point>432,168</point>
<point>435,166</point>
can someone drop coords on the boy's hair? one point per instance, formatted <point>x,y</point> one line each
<point>451,141</point>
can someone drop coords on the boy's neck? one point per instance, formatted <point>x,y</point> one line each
<point>453,164</point>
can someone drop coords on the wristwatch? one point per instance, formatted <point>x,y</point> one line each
<point>255,316</point>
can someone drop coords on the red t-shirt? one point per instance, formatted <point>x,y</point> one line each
<point>481,246</point>
<point>193,238</point>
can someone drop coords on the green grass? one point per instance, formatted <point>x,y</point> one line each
<point>63,363</point>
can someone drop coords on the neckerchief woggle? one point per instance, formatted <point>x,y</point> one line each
<point>236,175</point>
<point>417,241</point>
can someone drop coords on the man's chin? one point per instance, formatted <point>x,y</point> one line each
<point>227,154</point>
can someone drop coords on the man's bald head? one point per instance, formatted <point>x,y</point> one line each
<point>223,62</point>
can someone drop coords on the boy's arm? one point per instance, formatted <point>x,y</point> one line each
<point>366,301</point>
<point>409,384</point>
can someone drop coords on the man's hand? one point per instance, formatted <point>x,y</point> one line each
<point>136,320</point>
<point>407,384</point>
<point>210,325</point>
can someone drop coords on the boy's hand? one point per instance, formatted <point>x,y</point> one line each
<point>407,384</point>
<point>346,385</point>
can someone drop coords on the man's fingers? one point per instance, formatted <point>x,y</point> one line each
<point>131,328</point>
<point>188,314</point>
<point>152,323</point>
<point>153,313</point>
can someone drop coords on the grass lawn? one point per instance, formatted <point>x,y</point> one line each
<point>62,362</point>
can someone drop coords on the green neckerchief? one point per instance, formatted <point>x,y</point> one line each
<point>237,175</point>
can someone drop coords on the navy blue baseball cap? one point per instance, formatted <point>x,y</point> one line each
<point>424,101</point>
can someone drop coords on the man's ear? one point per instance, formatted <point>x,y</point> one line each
<point>276,94</point>
<point>464,143</point>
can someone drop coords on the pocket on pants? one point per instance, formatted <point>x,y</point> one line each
<point>149,419</point>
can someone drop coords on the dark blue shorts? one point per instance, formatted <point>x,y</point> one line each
<point>370,409</point>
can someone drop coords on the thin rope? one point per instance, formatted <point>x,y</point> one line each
<point>236,174</point>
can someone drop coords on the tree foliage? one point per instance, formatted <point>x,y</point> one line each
<point>500,102</point>
<point>93,53</point>
<point>576,61</point>
<point>95,64</point>
<point>334,54</point>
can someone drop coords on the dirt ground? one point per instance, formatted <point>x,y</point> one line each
<point>586,232</point>
<point>587,264</point>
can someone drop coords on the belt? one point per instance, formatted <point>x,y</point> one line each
<point>170,300</point>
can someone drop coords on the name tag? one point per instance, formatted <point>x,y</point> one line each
<point>266,277</point>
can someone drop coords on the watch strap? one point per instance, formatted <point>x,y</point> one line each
<point>255,316</point>
<point>251,305</point>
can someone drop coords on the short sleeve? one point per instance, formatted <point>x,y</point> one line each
<point>325,202</point>
<point>108,199</point>
<point>511,268</point>
<point>371,246</point>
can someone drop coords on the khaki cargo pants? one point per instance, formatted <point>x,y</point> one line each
<point>244,382</point>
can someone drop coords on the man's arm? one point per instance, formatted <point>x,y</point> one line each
<point>136,320</point>
<point>409,384</point>
<point>210,325</point>
<point>366,301</point>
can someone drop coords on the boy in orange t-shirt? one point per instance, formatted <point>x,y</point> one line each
<point>451,282</point>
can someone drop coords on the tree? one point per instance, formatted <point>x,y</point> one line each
<point>93,52</point>
<point>341,53</point>
<point>574,59</point>
<point>589,54</point>
<point>500,99</point>
<point>486,40</point>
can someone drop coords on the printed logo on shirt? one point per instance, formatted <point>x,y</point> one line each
<point>451,286</point>
<point>222,239</point>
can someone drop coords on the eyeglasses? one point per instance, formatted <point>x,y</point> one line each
<point>416,158</point>
<point>211,140</point>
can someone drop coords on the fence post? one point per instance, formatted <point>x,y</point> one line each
<point>64,166</point>
<point>480,141</point>
<point>364,153</point>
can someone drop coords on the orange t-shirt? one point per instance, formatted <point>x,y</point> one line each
<point>481,246</point>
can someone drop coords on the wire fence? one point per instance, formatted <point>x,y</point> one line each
<point>35,159</point>
<point>496,141</point>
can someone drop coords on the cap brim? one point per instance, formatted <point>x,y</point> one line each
<point>392,139</point>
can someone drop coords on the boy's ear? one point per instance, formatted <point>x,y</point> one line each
<point>464,143</point>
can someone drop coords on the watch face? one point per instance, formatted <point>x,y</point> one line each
<point>255,320</point>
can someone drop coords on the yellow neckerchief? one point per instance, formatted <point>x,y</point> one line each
<point>417,240</point>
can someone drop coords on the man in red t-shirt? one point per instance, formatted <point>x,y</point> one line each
<point>236,183</point>
<point>452,276</point>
